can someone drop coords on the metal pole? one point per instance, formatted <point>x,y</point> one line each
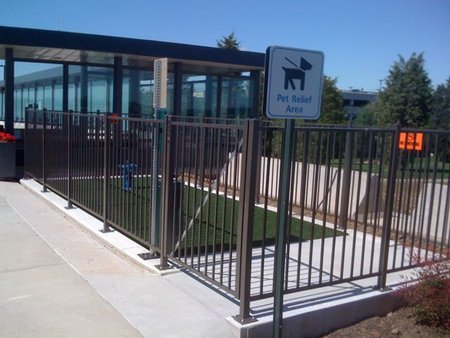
<point>246,219</point>
<point>107,176</point>
<point>167,193</point>
<point>388,210</point>
<point>8,74</point>
<point>346,182</point>
<point>155,209</point>
<point>69,159</point>
<point>282,221</point>
<point>44,126</point>
<point>26,139</point>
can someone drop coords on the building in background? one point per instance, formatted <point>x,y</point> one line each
<point>355,100</point>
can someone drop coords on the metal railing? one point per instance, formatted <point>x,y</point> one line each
<point>100,163</point>
<point>203,194</point>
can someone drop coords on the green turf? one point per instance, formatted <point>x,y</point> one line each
<point>212,226</point>
<point>215,226</point>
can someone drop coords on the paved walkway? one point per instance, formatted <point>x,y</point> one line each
<point>60,278</point>
<point>58,281</point>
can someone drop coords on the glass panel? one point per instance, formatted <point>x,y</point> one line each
<point>39,96</point>
<point>237,97</point>
<point>99,89</point>
<point>48,97</point>
<point>199,95</point>
<point>138,93</point>
<point>58,97</point>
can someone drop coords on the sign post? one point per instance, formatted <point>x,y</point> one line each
<point>159,105</point>
<point>293,90</point>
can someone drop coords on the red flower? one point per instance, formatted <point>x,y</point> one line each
<point>5,137</point>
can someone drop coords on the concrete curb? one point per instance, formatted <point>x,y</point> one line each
<point>114,241</point>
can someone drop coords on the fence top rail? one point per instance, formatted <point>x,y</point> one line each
<point>315,127</point>
<point>328,128</point>
<point>207,125</point>
<point>208,119</point>
<point>213,122</point>
<point>95,115</point>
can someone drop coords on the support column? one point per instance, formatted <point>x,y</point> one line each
<point>108,94</point>
<point>65,88</point>
<point>53,95</point>
<point>255,92</point>
<point>117,85</point>
<point>134,103</point>
<point>209,92</point>
<point>219,97</point>
<point>177,88</point>
<point>84,90</point>
<point>9,90</point>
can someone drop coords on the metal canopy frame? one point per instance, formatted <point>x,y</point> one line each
<point>66,47</point>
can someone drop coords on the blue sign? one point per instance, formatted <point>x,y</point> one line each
<point>293,83</point>
<point>127,171</point>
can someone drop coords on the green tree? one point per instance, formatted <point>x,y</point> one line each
<point>440,117</point>
<point>229,42</point>
<point>331,110</point>
<point>370,115</point>
<point>407,97</point>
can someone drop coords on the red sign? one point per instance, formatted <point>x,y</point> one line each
<point>114,119</point>
<point>411,141</point>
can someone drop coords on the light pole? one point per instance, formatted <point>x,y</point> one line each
<point>2,89</point>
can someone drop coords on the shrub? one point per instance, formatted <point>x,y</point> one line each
<point>428,291</point>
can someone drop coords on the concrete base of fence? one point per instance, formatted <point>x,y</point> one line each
<point>312,317</point>
<point>115,241</point>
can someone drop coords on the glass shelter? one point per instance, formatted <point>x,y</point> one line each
<point>102,74</point>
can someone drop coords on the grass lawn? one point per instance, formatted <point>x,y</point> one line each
<point>201,221</point>
<point>215,226</point>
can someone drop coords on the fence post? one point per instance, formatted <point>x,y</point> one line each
<point>69,159</point>
<point>44,127</point>
<point>388,211</point>
<point>166,223</point>
<point>107,176</point>
<point>347,175</point>
<point>25,143</point>
<point>155,193</point>
<point>282,222</point>
<point>245,219</point>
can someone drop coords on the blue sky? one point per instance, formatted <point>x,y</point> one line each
<point>360,39</point>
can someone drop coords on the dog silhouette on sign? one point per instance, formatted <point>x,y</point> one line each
<point>297,73</point>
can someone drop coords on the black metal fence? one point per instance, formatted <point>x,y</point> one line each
<point>203,194</point>
<point>67,153</point>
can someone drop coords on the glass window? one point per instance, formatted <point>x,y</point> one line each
<point>137,99</point>
<point>236,98</point>
<point>199,95</point>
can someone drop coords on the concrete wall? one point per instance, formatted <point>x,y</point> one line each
<point>367,195</point>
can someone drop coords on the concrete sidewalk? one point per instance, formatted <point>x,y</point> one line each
<point>60,276</point>
<point>56,280</point>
